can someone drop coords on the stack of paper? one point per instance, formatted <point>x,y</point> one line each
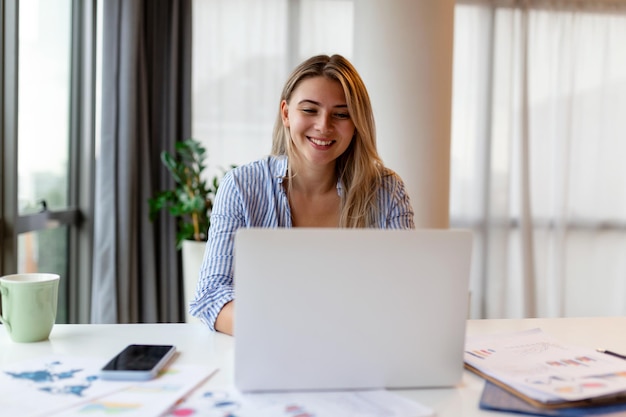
<point>545,372</point>
<point>498,399</point>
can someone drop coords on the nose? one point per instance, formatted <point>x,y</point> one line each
<point>324,123</point>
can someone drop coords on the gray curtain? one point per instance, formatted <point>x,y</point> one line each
<point>146,102</point>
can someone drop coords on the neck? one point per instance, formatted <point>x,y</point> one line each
<point>313,179</point>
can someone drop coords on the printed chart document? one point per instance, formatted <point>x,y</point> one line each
<point>147,398</point>
<point>230,402</point>
<point>69,385</point>
<point>44,385</point>
<point>545,372</point>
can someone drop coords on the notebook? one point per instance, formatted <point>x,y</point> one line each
<point>342,309</point>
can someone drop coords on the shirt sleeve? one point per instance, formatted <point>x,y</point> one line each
<point>215,283</point>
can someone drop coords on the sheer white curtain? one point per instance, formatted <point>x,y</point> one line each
<point>538,150</point>
<point>243,51</point>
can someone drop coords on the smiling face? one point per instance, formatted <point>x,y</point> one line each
<point>318,120</point>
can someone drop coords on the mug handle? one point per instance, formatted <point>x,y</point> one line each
<point>4,291</point>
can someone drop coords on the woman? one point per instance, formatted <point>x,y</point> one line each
<point>324,171</point>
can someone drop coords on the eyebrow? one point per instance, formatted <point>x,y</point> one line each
<point>319,104</point>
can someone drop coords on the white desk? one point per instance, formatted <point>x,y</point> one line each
<point>197,345</point>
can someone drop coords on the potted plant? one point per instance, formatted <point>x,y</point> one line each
<point>190,201</point>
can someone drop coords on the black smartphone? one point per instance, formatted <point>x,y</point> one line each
<point>138,362</point>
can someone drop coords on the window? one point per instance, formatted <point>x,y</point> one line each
<point>537,151</point>
<point>47,135</point>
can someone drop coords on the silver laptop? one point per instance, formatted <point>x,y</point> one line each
<point>339,309</point>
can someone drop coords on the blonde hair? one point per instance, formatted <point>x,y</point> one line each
<point>360,168</point>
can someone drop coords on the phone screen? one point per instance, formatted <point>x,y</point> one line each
<point>139,358</point>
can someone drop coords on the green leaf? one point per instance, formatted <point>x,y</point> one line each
<point>191,199</point>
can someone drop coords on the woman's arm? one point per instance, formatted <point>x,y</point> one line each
<point>215,285</point>
<point>248,196</point>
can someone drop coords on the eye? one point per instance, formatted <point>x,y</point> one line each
<point>342,116</point>
<point>308,110</point>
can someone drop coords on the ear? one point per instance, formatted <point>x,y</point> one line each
<point>284,113</point>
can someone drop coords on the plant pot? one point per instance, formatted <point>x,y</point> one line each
<point>193,253</point>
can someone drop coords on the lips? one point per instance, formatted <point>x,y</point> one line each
<point>320,142</point>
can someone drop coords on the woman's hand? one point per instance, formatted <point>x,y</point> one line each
<point>224,320</point>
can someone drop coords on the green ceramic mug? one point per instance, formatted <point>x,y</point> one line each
<point>29,305</point>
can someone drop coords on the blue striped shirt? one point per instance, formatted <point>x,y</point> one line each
<point>253,195</point>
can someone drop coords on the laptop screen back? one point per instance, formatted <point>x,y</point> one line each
<point>350,308</point>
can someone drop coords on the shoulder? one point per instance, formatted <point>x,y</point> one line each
<point>263,174</point>
<point>390,180</point>
<point>392,187</point>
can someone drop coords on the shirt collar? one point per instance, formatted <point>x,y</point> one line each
<point>280,168</point>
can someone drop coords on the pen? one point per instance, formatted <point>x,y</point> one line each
<point>608,352</point>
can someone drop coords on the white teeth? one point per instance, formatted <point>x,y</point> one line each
<point>321,142</point>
